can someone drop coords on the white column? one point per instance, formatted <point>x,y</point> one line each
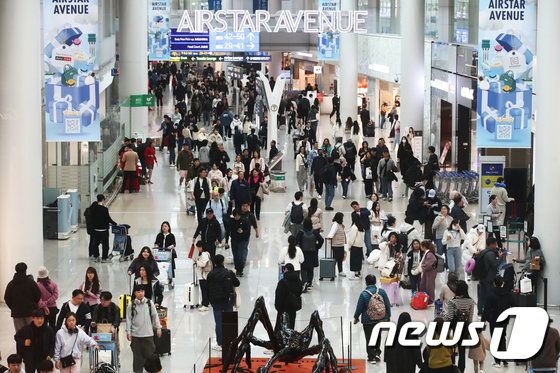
<point>348,79</point>
<point>546,154</point>
<point>274,6</point>
<point>227,4</point>
<point>412,64</point>
<point>275,66</point>
<point>133,58</point>
<point>20,118</point>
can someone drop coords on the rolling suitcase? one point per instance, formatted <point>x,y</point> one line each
<point>327,266</point>
<point>526,300</point>
<point>125,299</point>
<point>191,293</point>
<point>163,343</point>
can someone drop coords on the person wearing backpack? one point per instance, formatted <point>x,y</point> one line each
<point>310,241</point>
<point>452,238</point>
<point>373,307</point>
<point>141,320</point>
<point>485,270</point>
<point>460,308</point>
<point>288,297</point>
<point>297,210</point>
<point>408,233</point>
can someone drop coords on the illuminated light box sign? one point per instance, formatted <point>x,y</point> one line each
<point>189,41</point>
<point>311,21</point>
<point>245,41</point>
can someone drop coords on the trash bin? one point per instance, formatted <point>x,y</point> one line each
<point>278,181</point>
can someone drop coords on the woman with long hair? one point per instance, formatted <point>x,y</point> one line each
<point>70,341</point>
<point>461,309</point>
<point>291,254</point>
<point>144,258</point>
<point>389,226</point>
<point>301,168</point>
<point>356,244</point>
<point>337,237</point>
<point>399,358</point>
<point>152,287</point>
<point>364,149</point>
<point>165,240</point>
<point>256,180</point>
<point>316,214</point>
<point>429,272</point>
<point>310,242</point>
<point>49,296</point>
<point>453,238</point>
<point>91,288</point>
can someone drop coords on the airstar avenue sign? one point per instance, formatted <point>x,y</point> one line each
<point>311,21</point>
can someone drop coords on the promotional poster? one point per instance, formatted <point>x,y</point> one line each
<point>328,42</point>
<point>158,30</point>
<point>505,71</point>
<point>70,62</point>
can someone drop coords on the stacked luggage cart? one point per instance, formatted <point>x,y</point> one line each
<point>465,182</point>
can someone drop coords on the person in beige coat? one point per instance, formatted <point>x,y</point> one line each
<point>501,193</point>
<point>478,353</point>
<point>129,161</point>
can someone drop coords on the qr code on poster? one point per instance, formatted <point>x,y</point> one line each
<point>72,125</point>
<point>504,132</point>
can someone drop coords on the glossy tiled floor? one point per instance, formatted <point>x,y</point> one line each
<point>191,330</point>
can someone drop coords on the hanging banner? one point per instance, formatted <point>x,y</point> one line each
<point>506,39</point>
<point>158,30</point>
<point>214,5</point>
<point>328,42</point>
<point>260,5</point>
<point>70,62</point>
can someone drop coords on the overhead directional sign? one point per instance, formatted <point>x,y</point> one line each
<point>189,41</point>
<point>212,58</point>
<point>245,41</point>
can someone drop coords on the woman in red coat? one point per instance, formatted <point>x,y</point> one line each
<point>150,155</point>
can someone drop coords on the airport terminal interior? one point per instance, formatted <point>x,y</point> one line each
<point>415,105</point>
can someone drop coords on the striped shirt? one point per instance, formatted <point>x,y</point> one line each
<point>456,306</point>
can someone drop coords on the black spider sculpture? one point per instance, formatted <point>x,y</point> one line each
<point>289,346</point>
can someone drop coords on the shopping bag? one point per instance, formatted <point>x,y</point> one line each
<point>191,252</point>
<point>525,285</point>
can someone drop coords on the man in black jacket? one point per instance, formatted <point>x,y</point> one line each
<point>100,220</point>
<point>210,232</point>
<point>35,342</point>
<point>22,296</point>
<point>220,284</point>
<point>433,161</point>
<point>106,312</point>
<point>79,307</point>
<point>365,118</point>
<point>490,258</point>
<point>303,107</point>
<point>331,181</point>
<point>253,142</point>
<point>239,231</point>
<point>201,193</point>
<point>461,216</point>
<point>288,297</point>
<point>240,191</point>
<point>335,106</point>
<point>318,169</point>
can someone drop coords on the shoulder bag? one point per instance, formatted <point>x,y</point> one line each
<point>68,361</point>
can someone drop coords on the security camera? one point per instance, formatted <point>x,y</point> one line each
<point>396,78</point>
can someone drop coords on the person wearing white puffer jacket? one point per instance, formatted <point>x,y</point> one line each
<point>475,242</point>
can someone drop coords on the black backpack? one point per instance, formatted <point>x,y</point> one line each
<point>296,214</point>
<point>323,172</point>
<point>308,242</point>
<point>335,154</point>
<point>479,270</point>
<point>402,240</point>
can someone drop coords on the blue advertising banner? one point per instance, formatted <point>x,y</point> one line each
<point>214,5</point>
<point>189,41</point>
<point>328,42</point>
<point>158,30</point>
<point>506,39</point>
<point>70,62</point>
<point>260,5</point>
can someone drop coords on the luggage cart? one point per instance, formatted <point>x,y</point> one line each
<point>164,256</point>
<point>122,245</point>
<point>97,366</point>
